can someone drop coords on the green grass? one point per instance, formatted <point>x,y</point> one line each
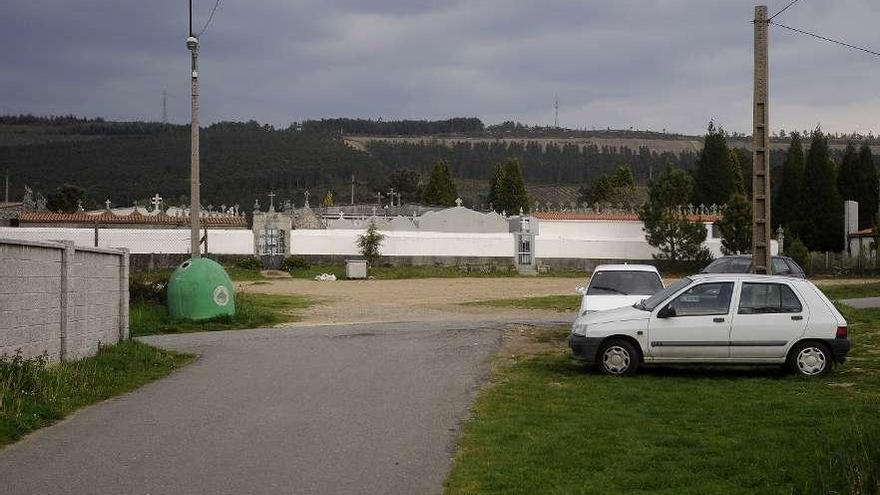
<point>548,425</point>
<point>238,274</point>
<point>565,303</point>
<point>33,394</point>
<point>424,271</point>
<point>837,292</point>
<point>251,311</point>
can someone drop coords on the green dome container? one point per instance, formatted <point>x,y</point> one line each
<point>200,289</point>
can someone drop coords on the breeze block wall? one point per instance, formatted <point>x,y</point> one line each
<point>61,300</point>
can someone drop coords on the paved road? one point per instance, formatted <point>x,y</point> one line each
<point>346,409</point>
<point>863,302</point>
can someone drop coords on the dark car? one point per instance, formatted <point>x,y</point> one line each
<point>782,265</point>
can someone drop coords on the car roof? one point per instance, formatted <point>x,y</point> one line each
<point>745,277</point>
<point>625,267</point>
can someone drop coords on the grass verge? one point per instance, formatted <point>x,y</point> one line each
<point>251,311</point>
<point>567,303</point>
<point>545,424</point>
<point>850,291</point>
<point>34,394</point>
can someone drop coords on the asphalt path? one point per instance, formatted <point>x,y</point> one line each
<point>863,302</point>
<point>371,408</point>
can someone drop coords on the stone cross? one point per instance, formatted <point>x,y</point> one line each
<point>271,201</point>
<point>107,203</point>
<point>156,201</point>
<point>306,194</point>
<point>457,201</point>
<point>391,194</point>
<point>379,198</point>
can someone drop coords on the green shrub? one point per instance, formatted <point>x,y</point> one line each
<point>249,263</point>
<point>295,263</point>
<point>149,286</point>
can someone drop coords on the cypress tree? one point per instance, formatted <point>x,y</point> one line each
<point>496,200</point>
<point>868,184</point>
<point>715,176</point>
<point>788,212</point>
<point>848,174</point>
<point>822,207</point>
<point>666,228</point>
<point>441,190</point>
<point>736,225</point>
<point>514,191</point>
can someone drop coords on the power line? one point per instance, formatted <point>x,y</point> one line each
<point>814,35</point>
<point>210,18</point>
<point>783,10</point>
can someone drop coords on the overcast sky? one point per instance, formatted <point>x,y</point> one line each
<point>657,64</point>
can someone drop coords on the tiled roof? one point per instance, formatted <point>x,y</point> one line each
<point>132,219</point>
<point>619,217</point>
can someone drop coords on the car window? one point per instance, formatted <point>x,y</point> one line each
<point>780,267</point>
<point>768,298</point>
<point>704,299</point>
<point>652,302</point>
<point>740,265</point>
<point>717,266</point>
<point>795,268</point>
<point>622,282</point>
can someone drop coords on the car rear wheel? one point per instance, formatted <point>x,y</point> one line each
<point>618,357</point>
<point>810,359</point>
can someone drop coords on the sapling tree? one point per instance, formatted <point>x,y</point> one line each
<point>370,243</point>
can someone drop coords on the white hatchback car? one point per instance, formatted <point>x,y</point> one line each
<point>613,286</point>
<point>718,318</point>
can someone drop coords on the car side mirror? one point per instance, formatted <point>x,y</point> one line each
<point>666,312</point>
<point>581,290</point>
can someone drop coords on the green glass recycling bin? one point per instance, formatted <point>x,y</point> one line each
<point>200,289</point>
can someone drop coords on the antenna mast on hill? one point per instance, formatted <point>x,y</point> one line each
<point>556,115</point>
<point>164,106</point>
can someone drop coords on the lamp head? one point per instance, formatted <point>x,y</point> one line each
<point>192,43</point>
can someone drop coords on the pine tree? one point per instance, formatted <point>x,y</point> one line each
<point>668,229</point>
<point>822,208</point>
<point>515,196</point>
<point>715,175</point>
<point>441,190</point>
<point>868,187</point>
<point>736,225</point>
<point>496,200</point>
<point>788,212</point>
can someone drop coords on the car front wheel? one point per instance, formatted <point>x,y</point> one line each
<point>618,357</point>
<point>810,359</point>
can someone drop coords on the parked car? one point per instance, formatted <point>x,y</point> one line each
<point>613,286</point>
<point>782,265</point>
<point>718,318</point>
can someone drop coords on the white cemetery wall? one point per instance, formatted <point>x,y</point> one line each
<point>139,241</point>
<point>600,240</point>
<point>61,300</point>
<point>403,243</point>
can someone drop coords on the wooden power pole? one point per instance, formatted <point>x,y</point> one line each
<point>761,149</point>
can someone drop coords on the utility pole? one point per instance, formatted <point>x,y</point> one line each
<point>6,197</point>
<point>761,149</point>
<point>556,113</point>
<point>164,106</point>
<point>192,43</point>
<point>352,189</point>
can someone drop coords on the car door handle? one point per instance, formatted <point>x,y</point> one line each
<point>797,317</point>
<point>718,320</point>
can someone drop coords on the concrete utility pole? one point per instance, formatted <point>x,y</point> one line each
<point>352,189</point>
<point>761,149</point>
<point>194,188</point>
<point>6,197</point>
<point>164,106</point>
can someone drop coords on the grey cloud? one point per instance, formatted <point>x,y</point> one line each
<point>671,64</point>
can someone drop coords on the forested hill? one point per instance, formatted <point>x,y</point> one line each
<point>131,161</point>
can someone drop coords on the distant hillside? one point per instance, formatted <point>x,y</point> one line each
<point>241,162</point>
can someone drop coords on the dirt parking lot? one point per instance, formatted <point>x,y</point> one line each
<point>428,299</point>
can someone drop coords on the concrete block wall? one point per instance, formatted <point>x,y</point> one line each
<point>61,300</point>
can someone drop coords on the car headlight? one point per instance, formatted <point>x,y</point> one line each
<point>579,328</point>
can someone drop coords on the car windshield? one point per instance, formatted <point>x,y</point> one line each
<point>652,302</point>
<point>729,265</point>
<point>624,282</point>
